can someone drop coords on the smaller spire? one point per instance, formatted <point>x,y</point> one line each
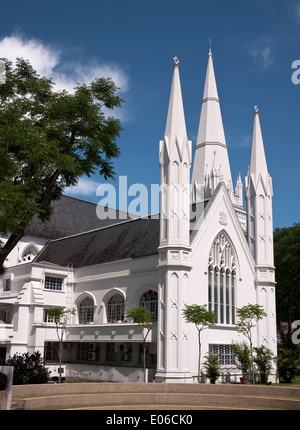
<point>209,46</point>
<point>258,164</point>
<point>175,126</point>
<point>176,62</point>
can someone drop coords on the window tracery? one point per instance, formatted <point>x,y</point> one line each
<point>115,308</point>
<point>149,300</point>
<point>222,279</point>
<point>86,311</point>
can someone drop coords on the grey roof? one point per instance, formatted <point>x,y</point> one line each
<point>70,216</point>
<point>128,239</point>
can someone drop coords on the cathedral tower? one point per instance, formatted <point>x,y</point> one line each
<point>258,196</point>
<point>174,250</point>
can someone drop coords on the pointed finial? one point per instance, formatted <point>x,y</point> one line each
<point>256,111</point>
<point>209,46</point>
<point>176,62</point>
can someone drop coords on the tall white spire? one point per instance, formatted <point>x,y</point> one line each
<point>175,163</point>
<point>174,248</point>
<point>211,150</point>
<point>258,195</point>
<point>175,125</point>
<point>258,163</point>
<point>259,214</point>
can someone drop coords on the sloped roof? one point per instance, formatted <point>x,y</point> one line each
<point>128,239</point>
<point>70,216</point>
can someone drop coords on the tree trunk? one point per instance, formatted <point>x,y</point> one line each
<point>10,244</point>
<point>14,238</point>
<point>60,356</point>
<point>144,359</point>
<point>199,358</point>
<point>252,362</point>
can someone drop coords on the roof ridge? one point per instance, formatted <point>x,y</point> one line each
<point>92,203</point>
<point>96,229</point>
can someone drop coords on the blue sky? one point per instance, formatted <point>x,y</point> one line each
<point>254,45</point>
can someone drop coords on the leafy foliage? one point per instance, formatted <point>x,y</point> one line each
<point>28,369</point>
<point>212,367</point>
<point>61,318</point>
<point>242,357</point>
<point>202,318</point>
<point>288,364</point>
<point>263,361</point>
<point>48,140</point>
<point>142,316</point>
<point>247,317</point>
<point>287,263</point>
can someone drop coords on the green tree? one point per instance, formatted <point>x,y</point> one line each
<point>202,318</point>
<point>242,357</point>
<point>212,367</point>
<point>287,263</point>
<point>247,317</point>
<point>61,318</point>
<point>288,364</point>
<point>48,140</point>
<point>263,361</point>
<point>142,316</point>
<point>28,368</point>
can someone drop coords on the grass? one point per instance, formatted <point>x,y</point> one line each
<point>295,383</point>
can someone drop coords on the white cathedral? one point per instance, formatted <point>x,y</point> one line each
<point>204,248</point>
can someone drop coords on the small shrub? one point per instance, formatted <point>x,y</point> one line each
<point>242,357</point>
<point>288,363</point>
<point>28,369</point>
<point>212,367</point>
<point>263,361</point>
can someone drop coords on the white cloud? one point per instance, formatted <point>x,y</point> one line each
<point>48,61</point>
<point>84,187</point>
<point>42,58</point>
<point>263,56</point>
<point>261,51</point>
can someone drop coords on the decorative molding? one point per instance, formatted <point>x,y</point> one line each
<point>223,218</point>
<point>175,255</point>
<point>185,256</point>
<point>263,273</point>
<point>173,334</point>
<point>174,303</point>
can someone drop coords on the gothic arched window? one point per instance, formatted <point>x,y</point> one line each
<point>222,279</point>
<point>149,300</point>
<point>115,308</point>
<point>86,311</point>
<point>29,254</point>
